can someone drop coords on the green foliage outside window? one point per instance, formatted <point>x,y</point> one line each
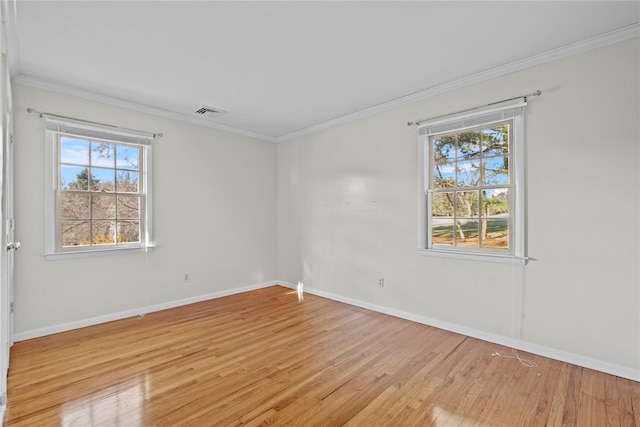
<point>470,182</point>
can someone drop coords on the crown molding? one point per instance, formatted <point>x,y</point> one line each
<point>611,37</point>
<point>118,102</point>
<point>552,55</point>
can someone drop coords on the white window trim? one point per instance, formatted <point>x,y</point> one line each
<point>514,111</point>
<point>52,127</point>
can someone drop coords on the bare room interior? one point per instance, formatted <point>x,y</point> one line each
<point>323,213</point>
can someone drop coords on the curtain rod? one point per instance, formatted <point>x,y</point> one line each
<point>417,122</point>
<point>42,114</point>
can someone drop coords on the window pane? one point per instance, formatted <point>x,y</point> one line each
<point>495,141</point>
<point>495,218</point>
<point>103,232</point>
<point>442,231</point>
<point>75,233</point>
<point>102,179</point>
<point>444,149</point>
<point>468,173</point>
<point>128,231</point>
<point>127,157</point>
<point>444,175</point>
<point>103,154</point>
<point>75,206</point>
<point>468,145</point>
<point>74,178</point>
<point>467,233</point>
<point>496,170</point>
<point>495,202</point>
<point>103,206</point>
<point>126,181</point>
<point>495,233</point>
<point>75,151</point>
<point>128,207</point>
<point>442,204</point>
<point>466,204</point>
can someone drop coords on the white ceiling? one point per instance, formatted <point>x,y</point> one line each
<point>277,68</point>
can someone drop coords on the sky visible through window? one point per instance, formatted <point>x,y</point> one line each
<point>470,188</point>
<point>103,158</point>
<point>100,192</point>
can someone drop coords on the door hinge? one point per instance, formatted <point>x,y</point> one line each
<point>11,308</point>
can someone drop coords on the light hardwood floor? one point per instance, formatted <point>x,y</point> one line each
<point>265,358</point>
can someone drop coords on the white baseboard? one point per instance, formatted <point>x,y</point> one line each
<point>552,353</point>
<point>575,359</point>
<point>35,333</point>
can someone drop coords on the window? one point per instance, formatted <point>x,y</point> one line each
<point>471,198</point>
<point>100,190</point>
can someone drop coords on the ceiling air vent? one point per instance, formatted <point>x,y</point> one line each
<point>209,112</point>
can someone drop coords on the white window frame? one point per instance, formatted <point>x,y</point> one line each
<point>53,248</point>
<point>517,213</point>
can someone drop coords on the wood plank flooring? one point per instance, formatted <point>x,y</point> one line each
<point>265,358</point>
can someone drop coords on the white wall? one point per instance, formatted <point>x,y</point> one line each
<point>348,213</point>
<point>214,217</point>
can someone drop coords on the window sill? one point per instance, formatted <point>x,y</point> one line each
<point>56,256</point>
<point>471,256</point>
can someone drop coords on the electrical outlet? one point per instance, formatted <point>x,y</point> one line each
<point>187,277</point>
<point>381,281</point>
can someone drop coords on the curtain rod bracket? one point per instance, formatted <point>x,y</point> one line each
<point>31,110</point>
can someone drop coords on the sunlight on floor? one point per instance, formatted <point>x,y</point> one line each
<point>299,290</point>
<point>443,418</point>
<point>115,405</point>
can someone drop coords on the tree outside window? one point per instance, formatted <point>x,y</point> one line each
<point>469,185</point>
<point>100,192</point>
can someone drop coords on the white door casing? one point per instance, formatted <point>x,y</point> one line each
<point>8,246</point>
